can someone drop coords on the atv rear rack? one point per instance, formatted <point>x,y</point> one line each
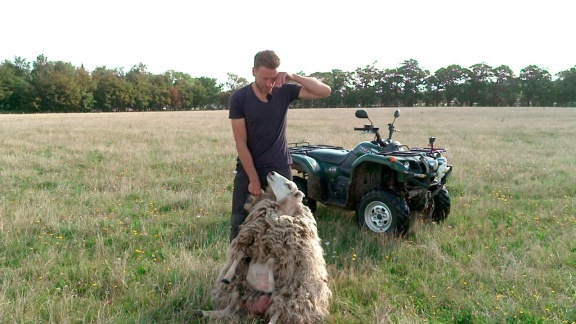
<point>305,147</point>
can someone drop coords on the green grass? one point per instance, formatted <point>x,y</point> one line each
<point>124,218</point>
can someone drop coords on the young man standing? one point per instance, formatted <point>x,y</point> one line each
<point>258,113</point>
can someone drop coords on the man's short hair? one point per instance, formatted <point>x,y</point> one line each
<point>267,59</point>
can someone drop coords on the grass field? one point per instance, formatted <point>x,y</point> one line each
<point>124,218</point>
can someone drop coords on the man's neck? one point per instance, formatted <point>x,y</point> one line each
<point>261,95</point>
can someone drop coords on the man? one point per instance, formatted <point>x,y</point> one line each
<point>258,113</point>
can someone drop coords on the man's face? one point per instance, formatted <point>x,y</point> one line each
<point>265,78</point>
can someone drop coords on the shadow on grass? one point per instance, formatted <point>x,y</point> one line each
<point>344,242</point>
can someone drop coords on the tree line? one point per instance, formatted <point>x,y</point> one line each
<point>480,85</point>
<point>48,86</point>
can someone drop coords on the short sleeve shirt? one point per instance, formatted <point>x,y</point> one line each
<point>265,123</point>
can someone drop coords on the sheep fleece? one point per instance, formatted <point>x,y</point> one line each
<point>302,294</point>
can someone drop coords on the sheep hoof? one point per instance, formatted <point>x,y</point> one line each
<point>198,314</point>
<point>224,280</point>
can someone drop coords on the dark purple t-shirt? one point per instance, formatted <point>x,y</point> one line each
<point>265,123</point>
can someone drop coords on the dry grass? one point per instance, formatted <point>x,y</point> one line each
<point>124,217</point>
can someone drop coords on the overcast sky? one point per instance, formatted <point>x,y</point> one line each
<point>214,37</point>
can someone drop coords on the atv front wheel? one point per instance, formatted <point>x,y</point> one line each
<point>381,211</point>
<point>303,186</point>
<point>441,206</point>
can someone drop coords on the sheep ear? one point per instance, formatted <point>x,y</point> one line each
<point>299,195</point>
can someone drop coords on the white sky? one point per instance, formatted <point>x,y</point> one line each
<point>214,37</point>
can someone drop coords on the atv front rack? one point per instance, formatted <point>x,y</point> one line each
<point>415,152</point>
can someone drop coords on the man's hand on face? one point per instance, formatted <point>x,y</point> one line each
<point>282,78</point>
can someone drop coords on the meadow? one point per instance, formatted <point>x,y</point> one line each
<point>124,218</point>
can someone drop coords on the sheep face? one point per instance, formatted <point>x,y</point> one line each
<point>283,188</point>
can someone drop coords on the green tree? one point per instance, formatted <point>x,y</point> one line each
<point>390,88</point>
<point>140,86</point>
<point>505,88</point>
<point>451,81</point>
<point>61,87</point>
<point>7,78</point>
<point>362,87</point>
<point>86,87</point>
<point>347,99</point>
<point>433,95</point>
<point>160,91</point>
<point>536,86</point>
<point>234,82</point>
<point>42,85</point>
<point>111,89</point>
<point>182,91</point>
<point>480,79</point>
<point>565,88</point>
<point>413,82</point>
<point>16,93</point>
<point>206,93</point>
<point>337,80</point>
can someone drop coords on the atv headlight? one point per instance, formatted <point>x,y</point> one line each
<point>442,167</point>
<point>433,164</point>
<point>406,165</point>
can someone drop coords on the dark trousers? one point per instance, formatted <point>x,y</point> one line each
<point>240,193</point>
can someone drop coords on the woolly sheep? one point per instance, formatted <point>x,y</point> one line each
<point>275,268</point>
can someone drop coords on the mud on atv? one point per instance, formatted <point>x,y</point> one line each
<point>386,183</point>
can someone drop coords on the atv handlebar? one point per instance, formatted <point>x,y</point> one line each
<point>367,128</point>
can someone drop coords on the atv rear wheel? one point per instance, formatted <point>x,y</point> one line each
<point>382,211</point>
<point>303,186</point>
<point>441,206</point>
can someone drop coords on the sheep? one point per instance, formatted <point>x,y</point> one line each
<point>275,267</point>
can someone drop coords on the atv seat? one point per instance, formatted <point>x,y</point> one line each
<point>331,156</point>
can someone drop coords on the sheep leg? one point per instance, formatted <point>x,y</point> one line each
<point>223,313</point>
<point>228,277</point>
<point>274,318</point>
<point>270,265</point>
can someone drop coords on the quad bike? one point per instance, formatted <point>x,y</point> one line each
<point>386,183</point>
